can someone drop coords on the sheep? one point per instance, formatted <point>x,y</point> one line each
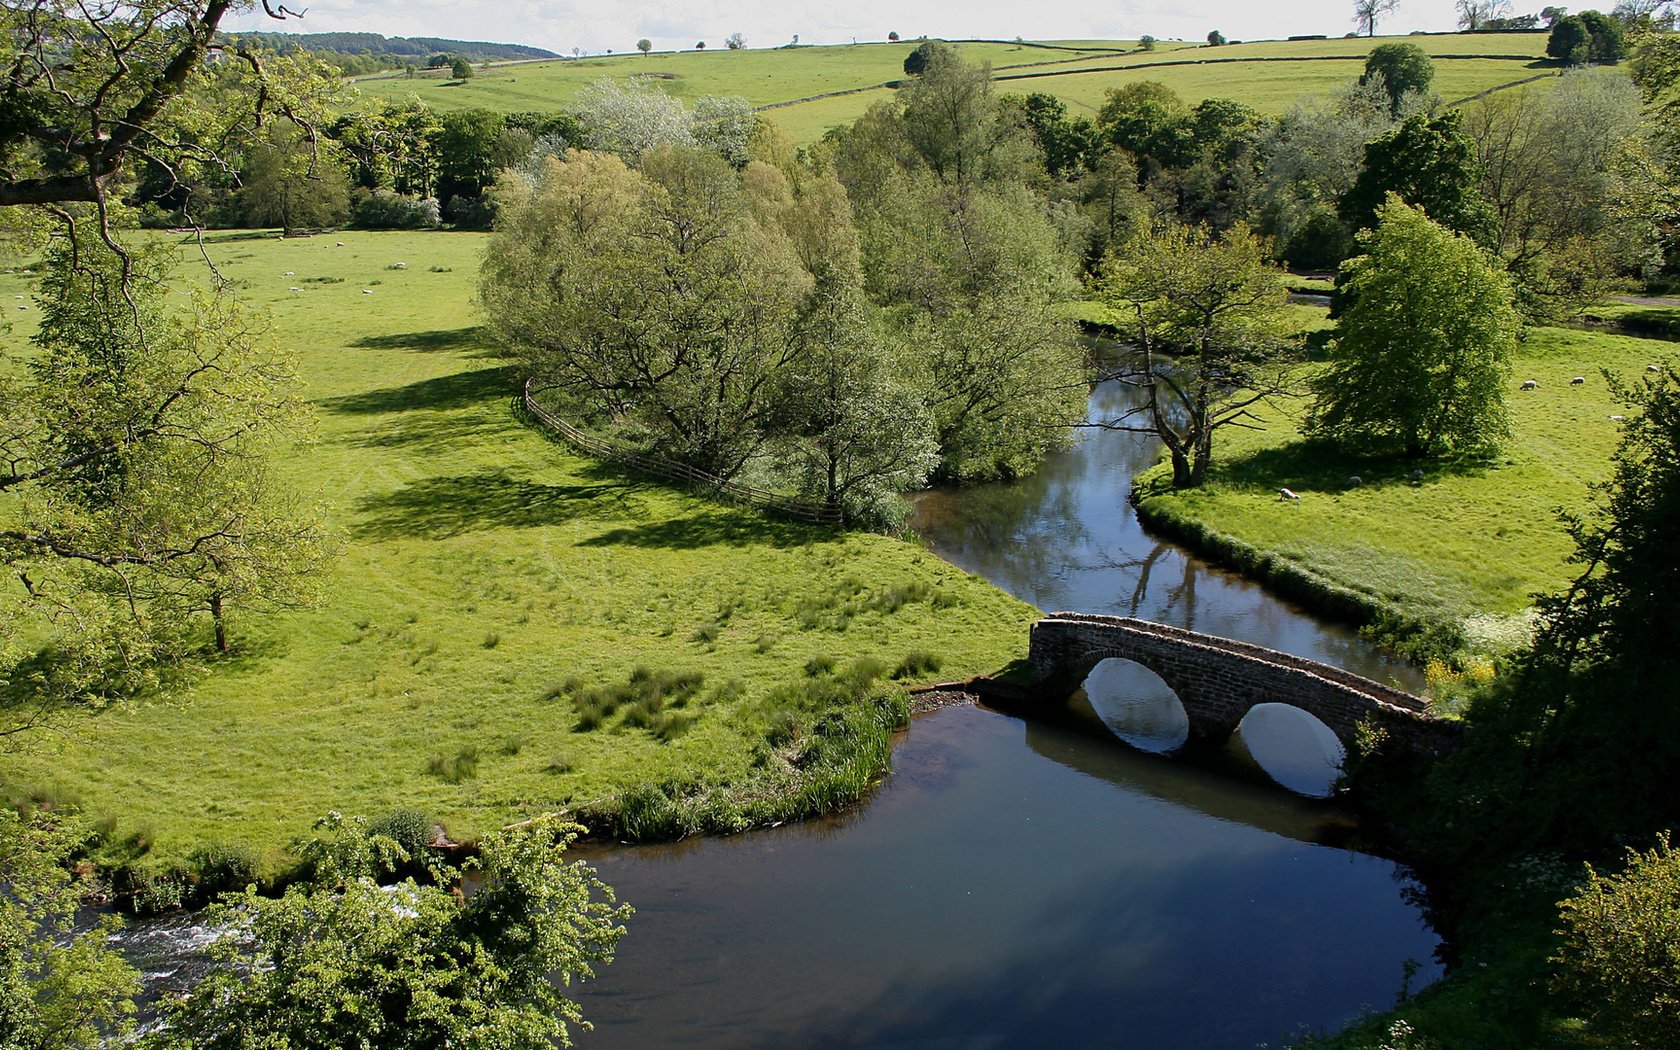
<point>289,273</point>
<point>1531,384</point>
<point>1578,380</point>
<point>1617,419</point>
<point>1652,368</point>
<point>1355,481</point>
<point>367,291</point>
<point>294,289</point>
<point>341,244</point>
<point>1286,494</point>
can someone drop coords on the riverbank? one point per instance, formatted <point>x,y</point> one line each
<point>510,628</point>
<point>1443,566</point>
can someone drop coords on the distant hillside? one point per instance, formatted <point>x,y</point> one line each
<point>394,50</point>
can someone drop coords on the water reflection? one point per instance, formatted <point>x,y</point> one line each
<point>1292,747</point>
<point>1133,702</point>
<point>1069,892</point>
<point>1068,539</point>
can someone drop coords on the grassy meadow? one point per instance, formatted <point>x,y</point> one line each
<point>1268,75</point>
<point>1472,542</point>
<point>491,583</point>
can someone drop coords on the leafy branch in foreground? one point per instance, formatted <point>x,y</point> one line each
<point>345,961</point>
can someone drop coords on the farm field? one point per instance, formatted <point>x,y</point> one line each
<point>1268,75</point>
<point>482,567</point>
<point>1466,544</point>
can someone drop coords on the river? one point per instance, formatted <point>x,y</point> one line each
<point>1038,881</point>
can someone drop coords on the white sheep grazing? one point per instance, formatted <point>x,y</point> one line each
<point>1531,384</point>
<point>341,244</point>
<point>1617,419</point>
<point>367,291</point>
<point>295,289</point>
<point>1652,368</point>
<point>1286,494</point>
<point>289,273</point>
<point>1578,380</point>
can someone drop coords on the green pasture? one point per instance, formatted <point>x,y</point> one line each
<point>486,575</point>
<point>1471,542</point>
<point>1082,72</point>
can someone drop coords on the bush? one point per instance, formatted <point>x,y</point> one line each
<point>1621,948</point>
<point>409,828</point>
<point>221,867</point>
<point>470,213</point>
<point>916,664</point>
<point>386,210</point>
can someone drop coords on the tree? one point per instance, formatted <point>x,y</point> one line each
<point>1605,32</point>
<point>1366,13</point>
<point>1550,15</point>
<point>1404,69</point>
<point>700,45</point>
<point>292,182</point>
<point>1146,43</point>
<point>951,115</point>
<point>736,42</point>
<point>1208,316</point>
<point>1428,162</point>
<point>1421,355</point>
<point>1216,39</point>
<point>1620,949</point>
<point>892,37</point>
<point>1570,42</point>
<point>1310,159</point>
<point>1555,168</point>
<point>136,449</point>
<point>1476,14</point>
<point>344,961</point>
<point>644,45</point>
<point>917,61</point>
<point>460,68</point>
<point>853,430</point>
<point>60,989</point>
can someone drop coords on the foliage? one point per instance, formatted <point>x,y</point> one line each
<point>644,45</point>
<point>1563,172</point>
<point>1429,163</point>
<point>1479,14</point>
<point>137,446</point>
<point>291,181</point>
<point>1586,37</point>
<point>1215,307</point>
<point>345,961</point>
<point>1620,953</point>
<point>460,68</point>
<point>1215,38</point>
<point>60,989</point>
<point>735,42</point>
<point>630,119</point>
<point>389,210</point>
<point>1404,69</point>
<point>1421,356</point>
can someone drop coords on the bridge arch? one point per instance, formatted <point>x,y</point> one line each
<point>1137,705</point>
<point>1292,747</point>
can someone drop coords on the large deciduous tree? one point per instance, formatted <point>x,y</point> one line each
<point>1404,69</point>
<point>1421,355</point>
<point>1429,163</point>
<point>1367,12</point>
<point>1207,315</point>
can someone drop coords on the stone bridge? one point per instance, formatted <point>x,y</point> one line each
<point>1219,680</point>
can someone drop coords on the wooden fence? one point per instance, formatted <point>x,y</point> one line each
<point>734,491</point>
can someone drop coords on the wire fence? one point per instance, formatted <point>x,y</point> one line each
<point>722,488</point>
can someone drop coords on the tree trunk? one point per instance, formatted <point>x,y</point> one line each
<point>219,621</point>
<point>1183,478</point>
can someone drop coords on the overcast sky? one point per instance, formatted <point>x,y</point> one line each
<point>560,25</point>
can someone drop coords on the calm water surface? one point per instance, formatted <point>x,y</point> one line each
<point>1040,882</point>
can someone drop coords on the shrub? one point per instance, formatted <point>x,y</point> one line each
<point>386,210</point>
<point>915,664</point>
<point>409,828</point>
<point>492,640</point>
<point>1621,948</point>
<point>221,867</point>
<point>819,665</point>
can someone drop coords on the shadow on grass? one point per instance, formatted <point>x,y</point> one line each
<point>1306,466</point>
<point>445,392</point>
<point>469,338</point>
<point>712,528</point>
<point>419,433</point>
<point>435,508</point>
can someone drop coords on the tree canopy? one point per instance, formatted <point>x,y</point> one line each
<point>1420,357</point>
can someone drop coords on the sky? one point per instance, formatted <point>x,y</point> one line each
<point>597,25</point>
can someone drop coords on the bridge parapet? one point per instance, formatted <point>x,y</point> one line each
<point>1218,680</point>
